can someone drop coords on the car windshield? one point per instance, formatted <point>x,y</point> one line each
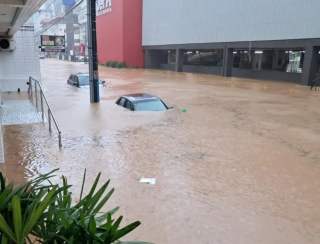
<point>152,105</point>
<point>83,80</point>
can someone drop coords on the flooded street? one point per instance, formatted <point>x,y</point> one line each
<point>236,161</point>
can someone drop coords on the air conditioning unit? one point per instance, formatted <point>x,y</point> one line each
<point>7,45</point>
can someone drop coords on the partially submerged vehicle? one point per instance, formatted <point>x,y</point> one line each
<point>142,102</point>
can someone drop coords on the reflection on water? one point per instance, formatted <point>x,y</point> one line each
<point>241,165</point>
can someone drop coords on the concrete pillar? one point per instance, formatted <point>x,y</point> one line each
<point>227,61</point>
<point>179,60</point>
<point>310,64</point>
<point>275,59</point>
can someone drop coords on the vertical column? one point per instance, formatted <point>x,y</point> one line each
<point>179,60</point>
<point>275,58</point>
<point>227,61</point>
<point>148,59</point>
<point>92,48</point>
<point>309,65</point>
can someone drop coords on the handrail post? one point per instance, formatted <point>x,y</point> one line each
<point>36,94</point>
<point>60,141</point>
<point>30,92</point>
<point>49,120</point>
<point>41,102</point>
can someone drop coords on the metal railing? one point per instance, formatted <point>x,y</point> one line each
<point>38,98</point>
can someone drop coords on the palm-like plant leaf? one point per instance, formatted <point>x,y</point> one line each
<point>46,211</point>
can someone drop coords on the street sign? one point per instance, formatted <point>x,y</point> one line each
<point>52,43</point>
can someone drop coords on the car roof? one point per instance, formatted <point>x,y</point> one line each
<point>138,97</point>
<point>82,74</point>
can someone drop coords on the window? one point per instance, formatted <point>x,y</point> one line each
<point>128,105</point>
<point>204,57</point>
<point>171,56</point>
<point>84,80</point>
<point>242,59</point>
<point>121,101</point>
<point>75,80</point>
<point>295,62</point>
<point>153,105</point>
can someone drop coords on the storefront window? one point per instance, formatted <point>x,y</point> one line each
<point>242,59</point>
<point>290,61</point>
<point>204,57</point>
<point>171,56</point>
<point>295,62</point>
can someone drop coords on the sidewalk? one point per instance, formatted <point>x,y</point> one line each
<point>16,109</point>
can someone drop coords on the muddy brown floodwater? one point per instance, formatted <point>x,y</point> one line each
<point>236,161</point>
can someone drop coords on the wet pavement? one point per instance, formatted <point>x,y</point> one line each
<point>17,109</point>
<point>235,161</point>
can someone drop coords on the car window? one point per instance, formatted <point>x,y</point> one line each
<point>128,105</point>
<point>122,101</point>
<point>83,80</point>
<point>152,105</point>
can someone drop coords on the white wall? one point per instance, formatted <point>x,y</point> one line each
<point>205,21</point>
<point>18,65</point>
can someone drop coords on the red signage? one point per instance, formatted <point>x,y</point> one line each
<point>103,7</point>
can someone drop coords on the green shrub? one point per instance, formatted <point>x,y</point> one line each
<point>121,65</point>
<point>116,64</point>
<point>47,212</point>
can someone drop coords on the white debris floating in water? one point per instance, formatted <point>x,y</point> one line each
<point>150,181</point>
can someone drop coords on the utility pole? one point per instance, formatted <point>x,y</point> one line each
<point>92,49</point>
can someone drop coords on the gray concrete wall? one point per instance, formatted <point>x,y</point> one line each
<point>206,21</point>
<point>171,67</point>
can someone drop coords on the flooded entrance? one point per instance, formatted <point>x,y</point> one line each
<point>235,161</point>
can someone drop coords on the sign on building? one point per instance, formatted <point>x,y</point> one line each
<point>103,7</point>
<point>52,43</point>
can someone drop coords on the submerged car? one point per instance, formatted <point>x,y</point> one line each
<point>81,79</point>
<point>142,102</point>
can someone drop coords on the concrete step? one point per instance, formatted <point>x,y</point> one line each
<point>15,112</point>
<point>16,109</point>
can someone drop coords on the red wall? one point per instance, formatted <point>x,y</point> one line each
<point>110,33</point>
<point>119,33</point>
<point>133,33</point>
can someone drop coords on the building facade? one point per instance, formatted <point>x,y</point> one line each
<point>267,39</point>
<point>119,32</point>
